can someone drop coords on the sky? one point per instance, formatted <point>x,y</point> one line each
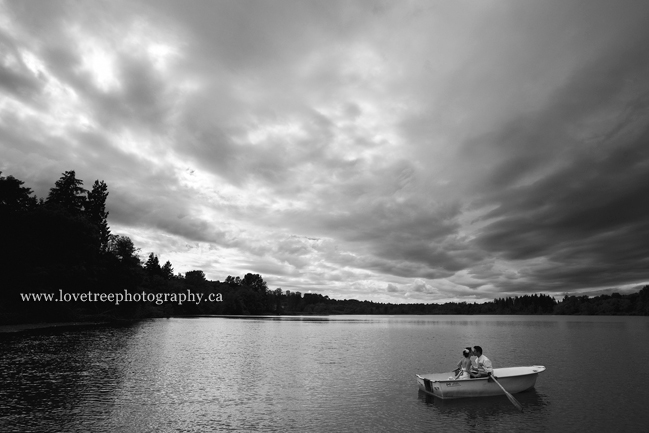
<point>392,151</point>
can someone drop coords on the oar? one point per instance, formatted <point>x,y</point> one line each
<point>509,396</point>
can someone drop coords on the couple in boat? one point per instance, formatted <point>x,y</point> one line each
<point>473,365</point>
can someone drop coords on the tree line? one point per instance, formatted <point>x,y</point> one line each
<point>63,243</point>
<point>615,304</point>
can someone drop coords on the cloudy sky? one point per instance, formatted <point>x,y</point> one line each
<point>394,151</point>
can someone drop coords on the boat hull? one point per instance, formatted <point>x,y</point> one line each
<point>513,379</point>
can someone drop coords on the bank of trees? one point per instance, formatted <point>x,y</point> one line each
<point>59,243</point>
<point>63,243</point>
<point>615,304</point>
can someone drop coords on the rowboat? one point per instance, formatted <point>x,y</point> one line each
<point>513,379</point>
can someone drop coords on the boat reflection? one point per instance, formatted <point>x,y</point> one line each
<point>492,413</point>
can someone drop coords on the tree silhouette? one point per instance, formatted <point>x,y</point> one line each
<point>123,249</point>
<point>255,282</point>
<point>68,193</point>
<point>13,196</point>
<point>95,211</point>
<point>152,265</point>
<point>195,278</point>
<point>64,244</point>
<point>167,271</point>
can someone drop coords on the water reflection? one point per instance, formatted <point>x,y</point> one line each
<point>278,318</point>
<point>531,400</point>
<point>52,375</point>
<point>295,374</point>
<point>492,413</point>
<point>445,321</point>
<point>590,324</point>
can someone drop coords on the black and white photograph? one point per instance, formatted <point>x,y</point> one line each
<point>324,215</point>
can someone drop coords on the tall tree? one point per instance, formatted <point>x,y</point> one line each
<point>13,196</point>
<point>167,271</point>
<point>95,211</point>
<point>68,192</point>
<point>233,281</point>
<point>124,269</point>
<point>255,282</point>
<point>152,265</point>
<point>196,277</point>
<point>123,249</point>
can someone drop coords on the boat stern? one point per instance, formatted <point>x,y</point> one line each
<point>426,385</point>
<point>433,383</point>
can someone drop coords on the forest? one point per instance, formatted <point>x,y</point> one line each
<point>63,244</point>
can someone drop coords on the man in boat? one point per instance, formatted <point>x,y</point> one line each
<point>481,364</point>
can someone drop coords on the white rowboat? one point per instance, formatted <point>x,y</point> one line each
<point>513,379</point>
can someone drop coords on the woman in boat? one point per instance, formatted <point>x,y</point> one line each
<point>464,365</point>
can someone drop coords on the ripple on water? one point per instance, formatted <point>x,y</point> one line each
<point>328,375</point>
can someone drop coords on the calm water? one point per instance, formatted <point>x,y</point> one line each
<point>322,374</point>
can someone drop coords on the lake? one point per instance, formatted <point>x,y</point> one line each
<point>322,374</point>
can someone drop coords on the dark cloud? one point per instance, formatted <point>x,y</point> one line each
<point>392,288</point>
<point>401,152</point>
<point>15,77</point>
<point>585,214</point>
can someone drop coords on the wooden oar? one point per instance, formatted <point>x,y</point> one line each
<point>509,396</point>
